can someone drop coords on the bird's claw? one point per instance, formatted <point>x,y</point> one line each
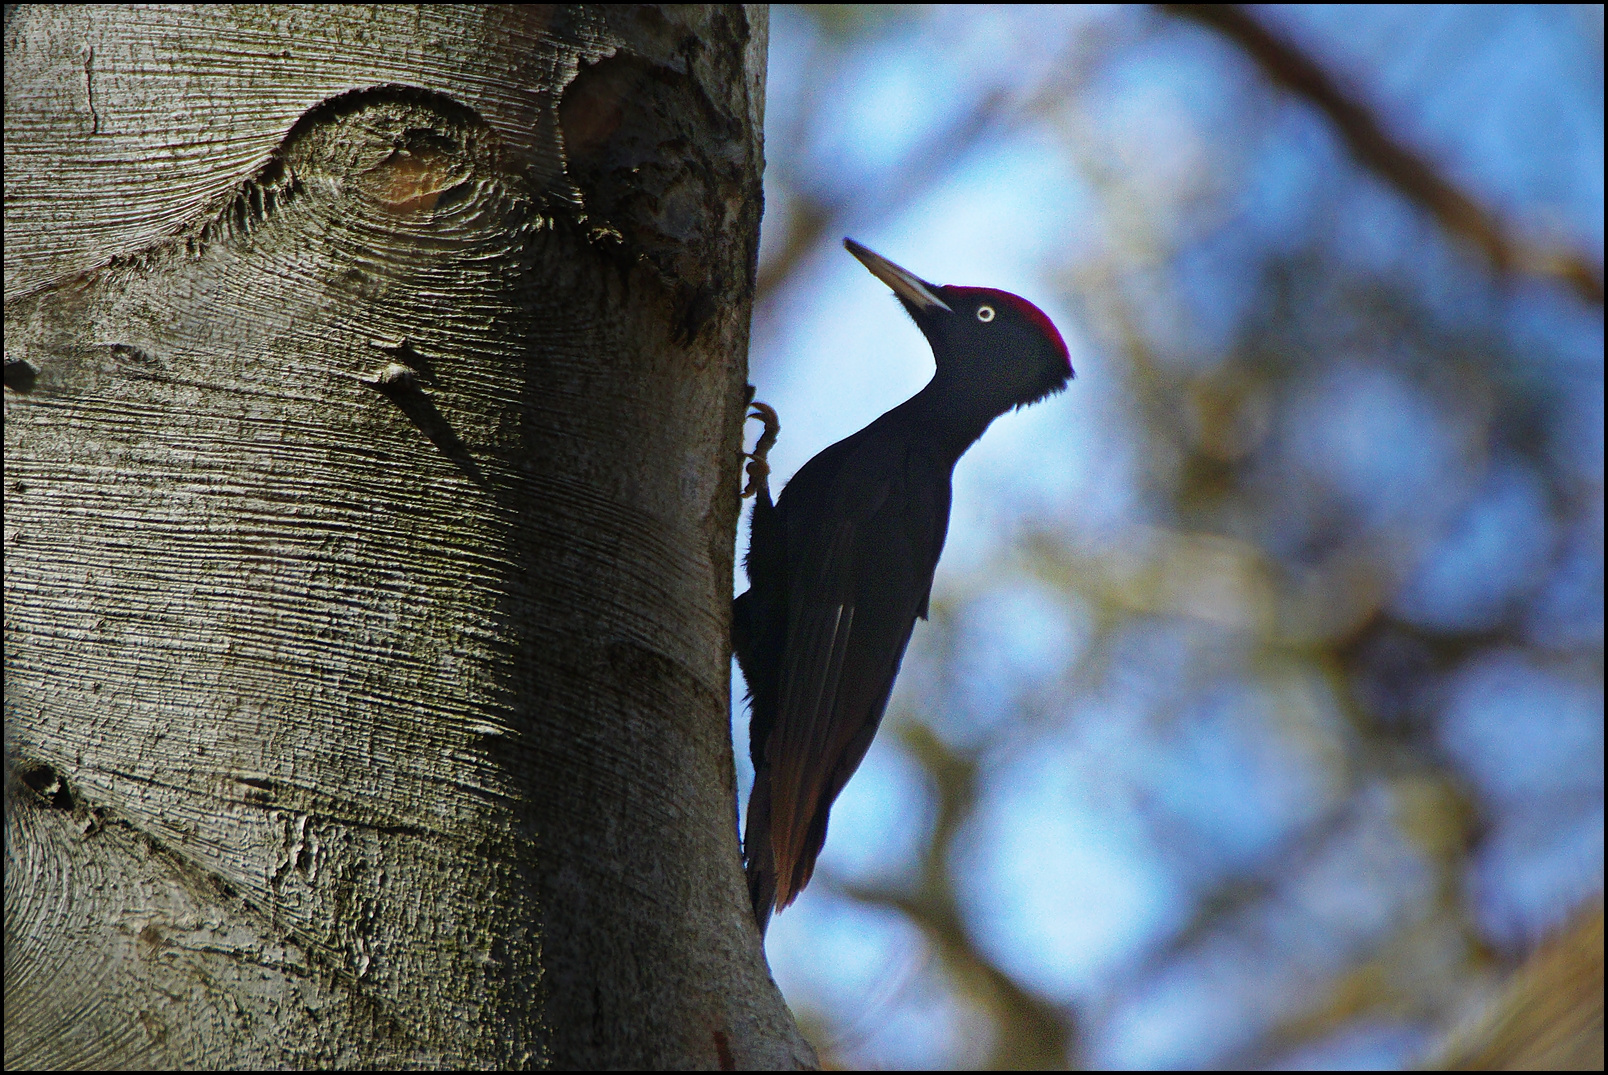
<point>758,468</point>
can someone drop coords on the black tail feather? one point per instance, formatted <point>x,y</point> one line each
<point>759,865</point>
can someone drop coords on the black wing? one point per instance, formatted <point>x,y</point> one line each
<point>861,552</point>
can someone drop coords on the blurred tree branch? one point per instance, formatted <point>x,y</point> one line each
<point>1029,1033</point>
<point>1251,558</point>
<point>813,217</point>
<point>817,215</point>
<point>1410,173</point>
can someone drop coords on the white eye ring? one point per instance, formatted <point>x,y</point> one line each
<point>985,313</point>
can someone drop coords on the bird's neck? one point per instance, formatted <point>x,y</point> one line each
<point>950,421</point>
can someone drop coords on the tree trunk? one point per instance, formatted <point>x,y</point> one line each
<point>374,398</point>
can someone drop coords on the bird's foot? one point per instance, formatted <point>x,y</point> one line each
<point>758,469</point>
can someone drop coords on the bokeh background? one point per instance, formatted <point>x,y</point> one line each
<point>1259,720</point>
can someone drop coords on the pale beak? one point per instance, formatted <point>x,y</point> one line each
<point>907,285</point>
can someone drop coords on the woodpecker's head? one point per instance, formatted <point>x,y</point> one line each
<point>993,348</point>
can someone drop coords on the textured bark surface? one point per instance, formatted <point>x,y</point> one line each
<point>374,395</point>
<point>1548,1017</point>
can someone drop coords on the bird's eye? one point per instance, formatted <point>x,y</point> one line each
<point>985,313</point>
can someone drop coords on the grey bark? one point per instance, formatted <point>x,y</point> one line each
<point>373,409</point>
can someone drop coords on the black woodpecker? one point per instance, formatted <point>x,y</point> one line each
<point>840,567</point>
